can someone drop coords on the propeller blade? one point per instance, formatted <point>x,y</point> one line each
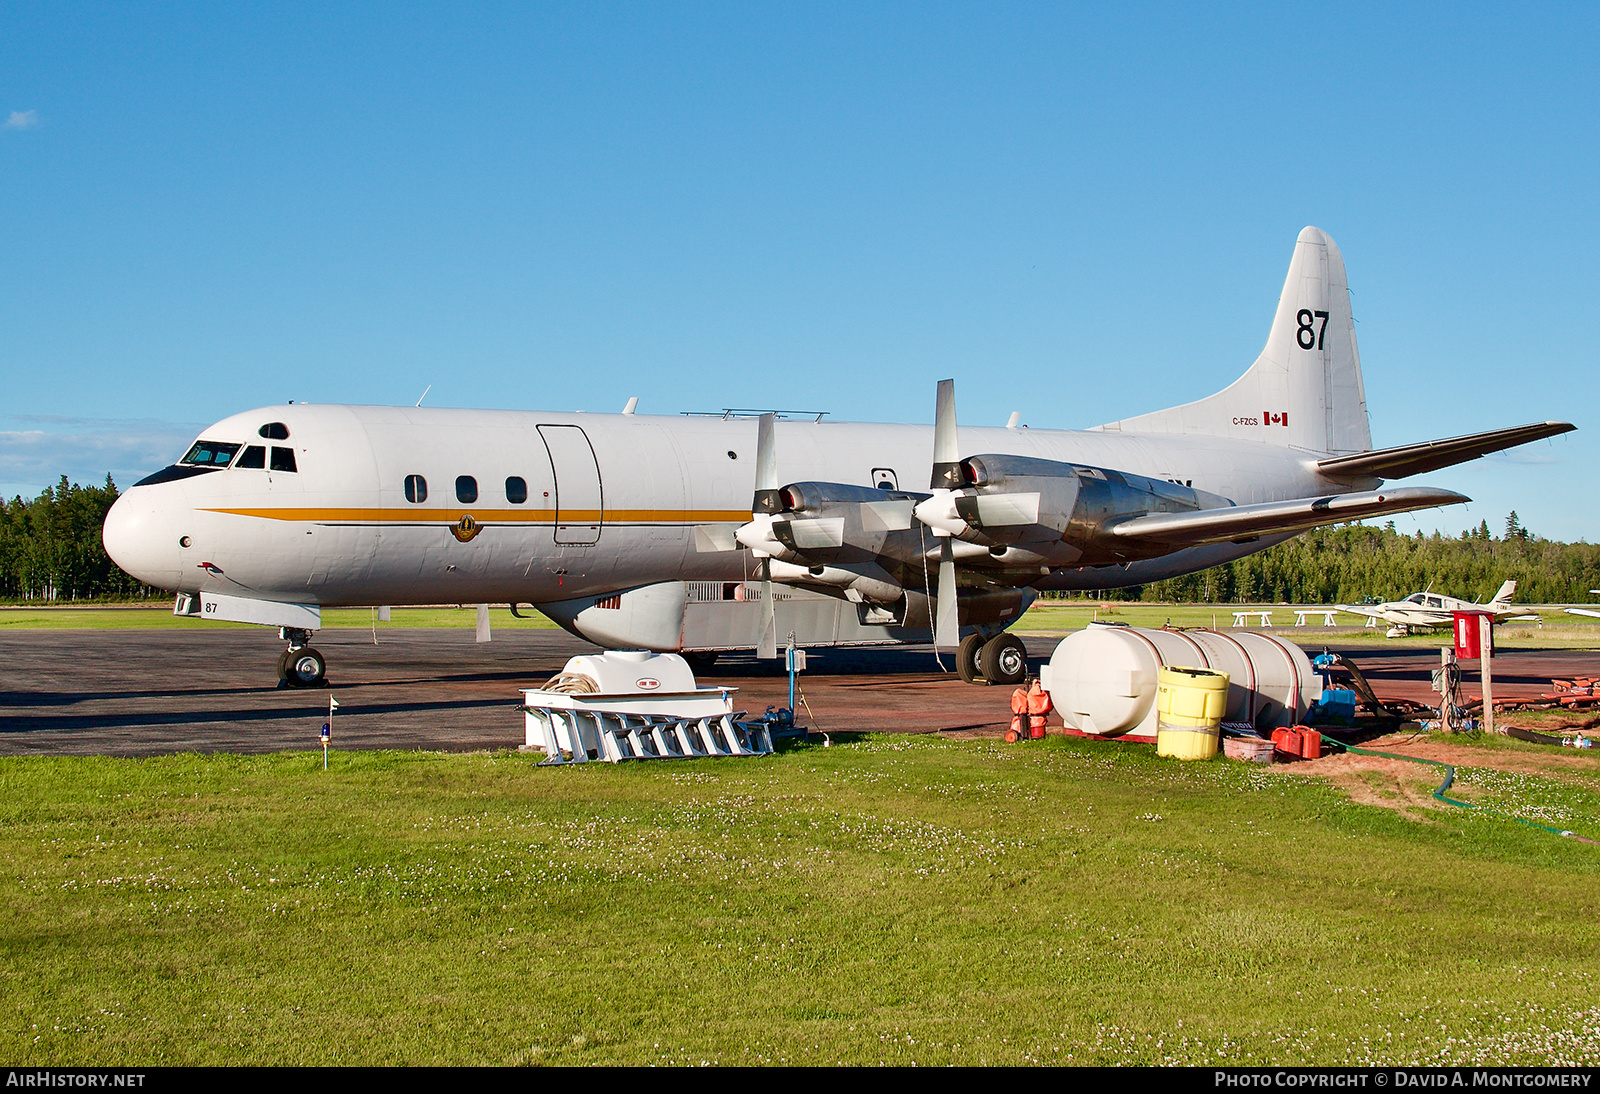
<point>947,623</point>
<point>766,496</point>
<point>946,446</point>
<point>767,648</point>
<point>712,538</point>
<point>998,510</point>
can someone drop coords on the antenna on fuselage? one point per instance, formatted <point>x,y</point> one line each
<point>633,404</point>
<point>424,394</point>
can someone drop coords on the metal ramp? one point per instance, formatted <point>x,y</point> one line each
<point>581,736</point>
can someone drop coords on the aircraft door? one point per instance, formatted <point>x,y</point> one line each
<point>580,503</point>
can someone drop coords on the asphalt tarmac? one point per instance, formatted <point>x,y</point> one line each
<point>155,692</point>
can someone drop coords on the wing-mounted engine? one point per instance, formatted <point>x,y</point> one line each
<point>1034,512</point>
<point>829,523</point>
<point>865,545</point>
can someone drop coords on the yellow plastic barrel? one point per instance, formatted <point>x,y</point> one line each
<point>1189,707</point>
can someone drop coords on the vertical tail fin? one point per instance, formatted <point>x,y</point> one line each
<point>1305,390</point>
<point>1507,591</point>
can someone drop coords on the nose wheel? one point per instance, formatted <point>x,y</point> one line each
<point>300,666</point>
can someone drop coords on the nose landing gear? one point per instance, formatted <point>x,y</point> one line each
<point>300,666</point>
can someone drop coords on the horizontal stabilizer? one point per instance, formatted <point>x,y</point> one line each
<point>1414,459</point>
<point>1241,522</point>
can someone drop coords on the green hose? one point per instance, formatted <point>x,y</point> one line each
<point>1449,779</point>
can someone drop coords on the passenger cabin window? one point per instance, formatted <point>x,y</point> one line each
<point>466,489</point>
<point>416,489</point>
<point>210,454</point>
<point>274,431</point>
<point>282,459</point>
<point>516,490</point>
<point>254,456</point>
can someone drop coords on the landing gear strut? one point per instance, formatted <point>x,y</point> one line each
<point>300,666</point>
<point>1001,659</point>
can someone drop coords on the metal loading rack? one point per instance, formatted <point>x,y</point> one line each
<point>580,736</point>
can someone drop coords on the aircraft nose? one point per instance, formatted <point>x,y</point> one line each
<point>141,536</point>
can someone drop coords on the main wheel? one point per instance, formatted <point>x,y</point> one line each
<point>302,668</point>
<point>701,662</point>
<point>1004,660</point>
<point>967,660</point>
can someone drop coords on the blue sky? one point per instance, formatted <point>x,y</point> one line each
<point>1081,213</point>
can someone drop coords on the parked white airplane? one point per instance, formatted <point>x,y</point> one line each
<point>620,527</point>
<point>1428,610</point>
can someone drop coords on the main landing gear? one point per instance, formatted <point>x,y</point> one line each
<point>300,666</point>
<point>1001,659</point>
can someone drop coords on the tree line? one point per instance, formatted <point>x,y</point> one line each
<point>50,549</point>
<point>1345,563</point>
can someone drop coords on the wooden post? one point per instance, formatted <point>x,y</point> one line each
<point>1486,657</point>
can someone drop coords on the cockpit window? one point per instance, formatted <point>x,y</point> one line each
<point>275,431</point>
<point>210,454</point>
<point>253,456</point>
<point>282,459</point>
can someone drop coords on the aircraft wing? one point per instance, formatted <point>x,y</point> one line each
<point>1246,522</point>
<point>1581,611</point>
<point>1414,459</point>
<point>1370,613</point>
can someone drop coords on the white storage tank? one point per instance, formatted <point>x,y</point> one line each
<point>1103,679</point>
<point>626,672</point>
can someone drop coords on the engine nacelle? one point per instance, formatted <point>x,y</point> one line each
<point>1059,512</point>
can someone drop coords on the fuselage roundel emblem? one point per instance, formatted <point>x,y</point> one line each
<point>465,528</point>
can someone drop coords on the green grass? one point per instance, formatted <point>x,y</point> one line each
<point>890,899</point>
<point>1045,617</point>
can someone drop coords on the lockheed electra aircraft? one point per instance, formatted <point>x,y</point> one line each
<point>623,527</point>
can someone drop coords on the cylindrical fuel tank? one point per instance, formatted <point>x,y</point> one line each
<point>1103,679</point>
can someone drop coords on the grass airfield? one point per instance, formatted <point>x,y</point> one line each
<point>888,900</point>
<point>1554,631</point>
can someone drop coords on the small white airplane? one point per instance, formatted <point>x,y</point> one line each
<point>642,532</point>
<point>1428,610</point>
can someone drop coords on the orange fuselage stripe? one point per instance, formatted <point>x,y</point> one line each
<point>494,516</point>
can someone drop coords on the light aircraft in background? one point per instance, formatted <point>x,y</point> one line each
<point>1428,610</point>
<point>643,532</point>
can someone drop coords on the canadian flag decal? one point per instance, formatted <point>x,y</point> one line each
<point>1269,418</point>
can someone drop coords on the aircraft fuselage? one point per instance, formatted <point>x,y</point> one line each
<point>524,506</point>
